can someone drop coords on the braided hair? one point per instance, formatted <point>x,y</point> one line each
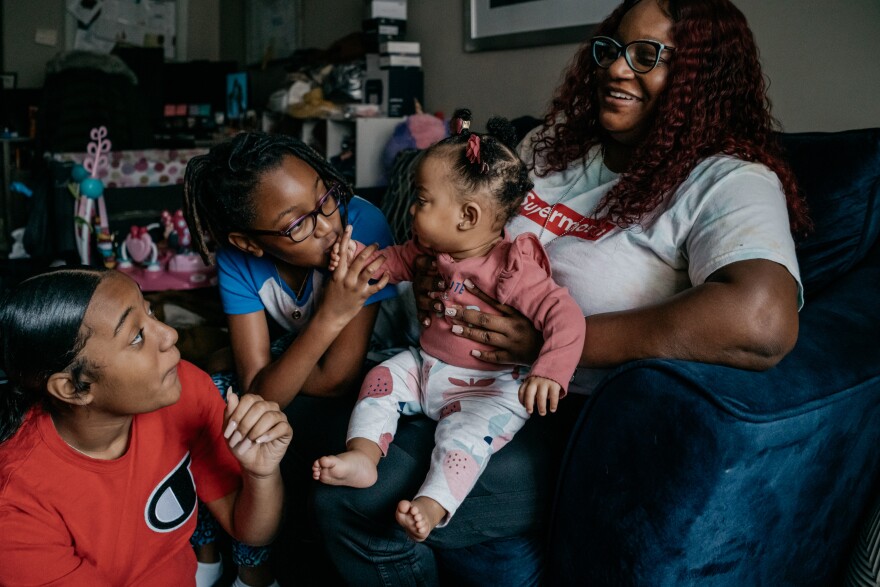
<point>497,168</point>
<point>218,188</point>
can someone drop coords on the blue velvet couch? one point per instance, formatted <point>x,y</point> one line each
<point>682,473</point>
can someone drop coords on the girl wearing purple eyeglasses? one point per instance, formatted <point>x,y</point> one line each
<point>270,209</point>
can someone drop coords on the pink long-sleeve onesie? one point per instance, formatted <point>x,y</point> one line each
<point>515,272</point>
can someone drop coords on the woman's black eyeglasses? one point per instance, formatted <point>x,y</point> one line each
<point>641,55</point>
<point>303,227</point>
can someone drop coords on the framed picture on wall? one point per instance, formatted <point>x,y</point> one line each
<point>513,24</point>
<point>9,80</point>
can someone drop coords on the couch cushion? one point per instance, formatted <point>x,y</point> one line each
<point>839,173</point>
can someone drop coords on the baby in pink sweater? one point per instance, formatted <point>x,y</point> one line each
<point>468,186</point>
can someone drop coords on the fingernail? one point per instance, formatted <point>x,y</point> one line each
<point>450,311</point>
<point>262,439</point>
<point>229,428</point>
<point>236,438</point>
<point>245,446</point>
<point>426,322</point>
<point>441,285</point>
<point>475,353</point>
<point>433,263</point>
<point>438,307</point>
<point>433,295</point>
<point>468,283</point>
<point>457,329</point>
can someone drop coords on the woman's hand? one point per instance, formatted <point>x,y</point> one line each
<point>256,432</point>
<point>514,337</point>
<point>426,280</point>
<point>349,286</point>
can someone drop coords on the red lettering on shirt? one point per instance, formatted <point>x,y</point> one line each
<point>562,220</point>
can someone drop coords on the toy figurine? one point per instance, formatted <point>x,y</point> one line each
<point>88,189</point>
<point>139,247</point>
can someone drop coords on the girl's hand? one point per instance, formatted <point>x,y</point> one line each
<point>349,287</point>
<point>256,432</point>
<point>541,393</point>
<point>515,338</point>
<point>427,284</point>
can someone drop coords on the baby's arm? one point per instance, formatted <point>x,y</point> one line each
<point>531,290</point>
<point>399,259</point>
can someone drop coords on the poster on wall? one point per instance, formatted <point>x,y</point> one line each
<point>272,29</point>
<point>100,24</point>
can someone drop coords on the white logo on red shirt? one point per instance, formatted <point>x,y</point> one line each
<point>173,500</point>
<point>560,220</point>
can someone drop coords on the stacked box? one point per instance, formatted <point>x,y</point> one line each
<point>394,79</point>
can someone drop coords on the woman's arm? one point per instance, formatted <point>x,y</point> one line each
<point>744,315</point>
<point>257,434</point>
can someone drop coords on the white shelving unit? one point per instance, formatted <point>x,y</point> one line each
<point>370,135</point>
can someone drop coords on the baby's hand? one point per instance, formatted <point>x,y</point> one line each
<point>541,392</point>
<point>335,257</point>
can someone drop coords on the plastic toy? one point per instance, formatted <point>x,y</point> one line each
<point>167,264</point>
<point>88,189</point>
<point>139,247</point>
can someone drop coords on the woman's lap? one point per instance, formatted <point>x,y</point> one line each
<point>511,499</point>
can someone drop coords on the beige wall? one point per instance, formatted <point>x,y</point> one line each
<point>819,55</point>
<point>821,59</point>
<point>21,19</point>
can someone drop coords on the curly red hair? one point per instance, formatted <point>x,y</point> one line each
<point>715,102</point>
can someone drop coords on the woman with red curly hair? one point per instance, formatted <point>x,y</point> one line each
<point>667,211</point>
<point>661,196</point>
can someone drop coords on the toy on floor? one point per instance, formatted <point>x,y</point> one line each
<point>89,193</point>
<point>167,264</point>
<point>138,247</point>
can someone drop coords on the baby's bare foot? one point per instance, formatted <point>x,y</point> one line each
<point>352,468</point>
<point>419,516</point>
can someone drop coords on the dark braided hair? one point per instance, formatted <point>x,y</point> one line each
<point>499,168</point>
<point>219,186</point>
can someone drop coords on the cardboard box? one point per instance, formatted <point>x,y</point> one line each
<point>396,60</point>
<point>400,48</point>
<point>382,30</point>
<point>395,9</point>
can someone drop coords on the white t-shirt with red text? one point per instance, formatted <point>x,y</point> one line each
<point>727,210</point>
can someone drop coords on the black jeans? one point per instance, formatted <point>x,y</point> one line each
<point>495,538</point>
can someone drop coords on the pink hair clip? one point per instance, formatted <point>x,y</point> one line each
<point>473,153</point>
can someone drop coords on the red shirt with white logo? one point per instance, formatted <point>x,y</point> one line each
<point>68,519</point>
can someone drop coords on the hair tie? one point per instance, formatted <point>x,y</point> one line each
<point>473,153</point>
<point>461,125</point>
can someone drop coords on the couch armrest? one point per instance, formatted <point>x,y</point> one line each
<point>681,473</point>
